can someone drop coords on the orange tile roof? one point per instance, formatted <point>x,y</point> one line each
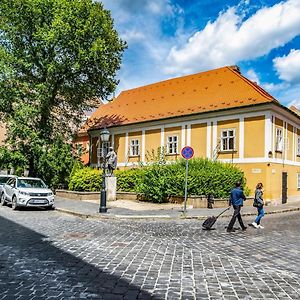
<point>213,90</point>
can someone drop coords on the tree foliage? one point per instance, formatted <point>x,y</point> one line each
<point>58,56</point>
<point>57,59</point>
<point>55,164</point>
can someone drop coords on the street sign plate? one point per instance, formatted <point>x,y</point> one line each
<point>187,152</point>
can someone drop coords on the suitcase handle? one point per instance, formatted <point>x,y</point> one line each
<point>223,212</point>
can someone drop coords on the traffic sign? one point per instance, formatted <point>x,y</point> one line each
<point>187,152</point>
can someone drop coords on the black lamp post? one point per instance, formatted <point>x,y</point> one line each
<point>104,136</point>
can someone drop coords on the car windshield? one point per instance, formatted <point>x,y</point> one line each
<point>3,180</point>
<point>31,183</point>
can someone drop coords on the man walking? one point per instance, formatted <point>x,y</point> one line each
<point>237,198</point>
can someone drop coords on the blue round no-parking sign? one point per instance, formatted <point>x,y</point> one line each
<point>187,152</point>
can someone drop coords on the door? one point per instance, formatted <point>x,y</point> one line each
<point>10,189</point>
<point>284,187</point>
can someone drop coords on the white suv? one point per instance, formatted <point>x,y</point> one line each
<point>27,191</point>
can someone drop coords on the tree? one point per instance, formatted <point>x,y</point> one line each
<point>57,59</point>
<point>60,56</point>
<point>55,164</point>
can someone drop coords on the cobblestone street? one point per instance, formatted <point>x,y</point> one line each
<point>50,255</point>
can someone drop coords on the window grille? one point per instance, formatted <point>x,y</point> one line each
<point>298,145</point>
<point>172,144</point>
<point>134,147</point>
<point>79,149</point>
<point>279,140</point>
<point>228,140</point>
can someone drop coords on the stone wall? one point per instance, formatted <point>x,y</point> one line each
<point>194,201</point>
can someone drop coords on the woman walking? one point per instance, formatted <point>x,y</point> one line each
<point>259,204</point>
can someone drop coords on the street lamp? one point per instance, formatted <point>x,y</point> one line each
<point>104,136</point>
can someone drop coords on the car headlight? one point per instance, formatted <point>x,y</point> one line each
<point>24,193</point>
<point>50,194</point>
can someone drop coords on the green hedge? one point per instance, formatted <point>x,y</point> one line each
<point>127,180</point>
<point>160,181</point>
<point>86,179</point>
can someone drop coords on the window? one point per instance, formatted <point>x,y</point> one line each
<point>298,145</point>
<point>298,180</point>
<point>11,182</point>
<point>172,144</point>
<point>279,140</point>
<point>79,149</point>
<point>134,147</point>
<point>228,140</point>
<point>31,183</point>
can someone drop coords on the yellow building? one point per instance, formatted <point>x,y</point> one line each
<point>220,113</point>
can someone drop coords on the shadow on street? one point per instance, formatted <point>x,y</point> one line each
<point>32,268</point>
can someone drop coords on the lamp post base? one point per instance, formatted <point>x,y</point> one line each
<point>103,208</point>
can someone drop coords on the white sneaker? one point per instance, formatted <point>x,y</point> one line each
<point>255,225</point>
<point>261,227</point>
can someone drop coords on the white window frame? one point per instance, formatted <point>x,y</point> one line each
<point>279,139</point>
<point>172,144</point>
<point>298,145</point>
<point>79,149</point>
<point>134,149</point>
<point>225,140</point>
<point>298,180</point>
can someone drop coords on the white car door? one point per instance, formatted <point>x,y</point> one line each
<point>9,188</point>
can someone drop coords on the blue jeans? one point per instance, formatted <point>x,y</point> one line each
<point>260,214</point>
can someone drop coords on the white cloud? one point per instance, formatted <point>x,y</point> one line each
<point>140,24</point>
<point>251,74</point>
<point>230,39</point>
<point>132,36</point>
<point>288,67</point>
<point>290,96</point>
<point>275,88</point>
<point>295,103</point>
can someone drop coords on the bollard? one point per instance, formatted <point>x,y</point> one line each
<point>210,201</point>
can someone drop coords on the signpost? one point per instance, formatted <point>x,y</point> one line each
<point>187,153</point>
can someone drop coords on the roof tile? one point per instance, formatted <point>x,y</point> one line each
<point>197,93</point>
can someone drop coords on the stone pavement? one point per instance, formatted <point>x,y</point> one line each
<point>48,255</point>
<point>91,208</point>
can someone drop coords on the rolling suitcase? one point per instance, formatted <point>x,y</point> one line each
<point>210,221</point>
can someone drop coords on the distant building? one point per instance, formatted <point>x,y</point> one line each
<point>220,113</point>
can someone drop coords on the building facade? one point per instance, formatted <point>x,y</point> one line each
<point>220,113</point>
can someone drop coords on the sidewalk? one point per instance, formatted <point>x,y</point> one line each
<point>136,210</point>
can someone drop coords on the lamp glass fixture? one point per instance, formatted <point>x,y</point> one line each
<point>104,135</point>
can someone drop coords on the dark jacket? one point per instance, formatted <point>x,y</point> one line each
<point>237,197</point>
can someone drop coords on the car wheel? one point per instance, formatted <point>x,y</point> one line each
<point>14,204</point>
<point>3,202</point>
<point>50,207</point>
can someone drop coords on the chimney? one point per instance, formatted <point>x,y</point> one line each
<point>236,69</point>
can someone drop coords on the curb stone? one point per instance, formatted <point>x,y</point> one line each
<point>84,216</point>
<point>164,217</point>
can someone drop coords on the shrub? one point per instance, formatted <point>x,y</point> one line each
<point>86,179</point>
<point>128,179</point>
<point>159,182</point>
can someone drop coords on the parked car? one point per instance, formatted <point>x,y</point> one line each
<point>3,180</point>
<point>27,192</point>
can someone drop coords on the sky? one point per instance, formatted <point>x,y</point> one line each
<point>172,38</point>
